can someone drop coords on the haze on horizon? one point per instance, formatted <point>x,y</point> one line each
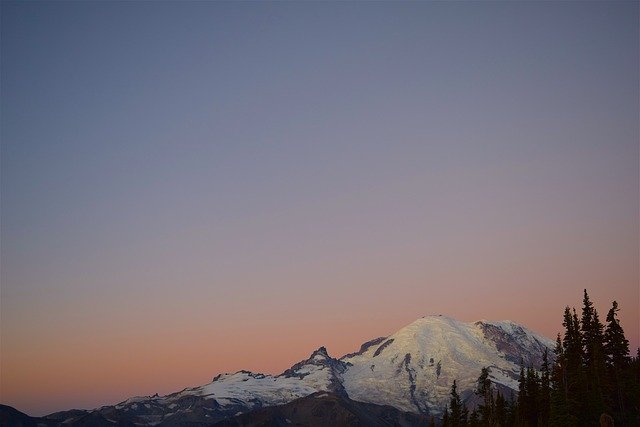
<point>191,188</point>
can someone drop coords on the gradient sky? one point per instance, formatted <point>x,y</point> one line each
<point>190,188</point>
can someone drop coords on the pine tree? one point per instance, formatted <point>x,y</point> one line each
<point>512,411</point>
<point>585,324</point>
<point>544,402</point>
<point>532,385</point>
<point>485,391</point>
<point>558,415</point>
<point>501,410</point>
<point>615,343</point>
<point>458,411</point>
<point>616,354</point>
<point>445,417</point>
<point>574,371</point>
<point>593,362</point>
<point>521,409</point>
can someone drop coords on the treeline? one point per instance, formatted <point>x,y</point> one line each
<point>591,380</point>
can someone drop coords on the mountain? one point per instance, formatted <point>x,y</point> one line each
<point>411,370</point>
<point>414,368</point>
<point>325,409</point>
<point>12,417</point>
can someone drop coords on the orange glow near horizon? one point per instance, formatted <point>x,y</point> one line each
<point>94,370</point>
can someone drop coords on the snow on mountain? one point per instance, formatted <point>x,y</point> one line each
<point>318,373</point>
<point>228,395</point>
<point>412,370</point>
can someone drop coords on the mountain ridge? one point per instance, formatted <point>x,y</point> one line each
<point>410,370</point>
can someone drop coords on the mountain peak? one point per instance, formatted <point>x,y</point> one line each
<point>418,363</point>
<point>318,359</point>
<point>320,353</point>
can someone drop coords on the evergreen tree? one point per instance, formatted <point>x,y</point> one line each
<point>544,403</point>
<point>615,343</point>
<point>575,382</point>
<point>512,411</point>
<point>585,324</point>
<point>485,391</point>
<point>532,386</point>
<point>558,403</point>
<point>501,410</point>
<point>616,353</point>
<point>521,404</point>
<point>445,417</point>
<point>593,362</point>
<point>458,413</point>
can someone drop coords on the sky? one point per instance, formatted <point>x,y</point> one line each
<point>189,188</point>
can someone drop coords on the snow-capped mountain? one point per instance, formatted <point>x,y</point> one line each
<point>414,368</point>
<point>411,370</point>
